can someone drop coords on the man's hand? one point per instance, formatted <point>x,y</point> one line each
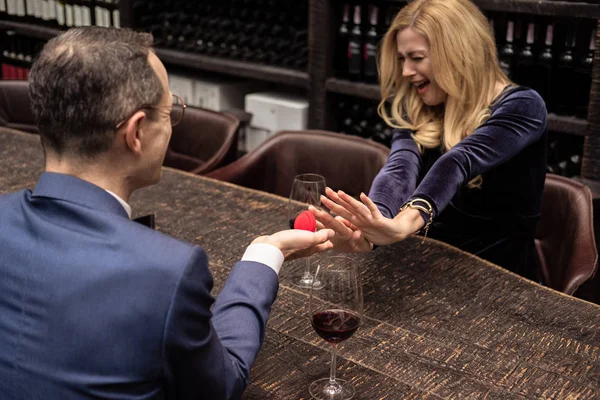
<point>295,243</point>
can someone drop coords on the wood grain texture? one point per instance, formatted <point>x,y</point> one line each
<point>439,323</point>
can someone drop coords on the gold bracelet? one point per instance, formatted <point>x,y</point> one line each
<point>428,211</point>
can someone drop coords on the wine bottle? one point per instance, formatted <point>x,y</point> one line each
<point>355,58</point>
<point>86,12</point>
<point>29,12</point>
<point>3,11</point>
<point>19,10</point>
<point>52,22</point>
<point>370,48</point>
<point>543,70</point>
<point>573,168</point>
<point>69,14</point>
<point>563,83</point>
<point>341,47</point>
<point>115,14</point>
<point>524,73</point>
<point>100,14</point>
<point>60,14</point>
<point>583,78</point>
<point>507,52</point>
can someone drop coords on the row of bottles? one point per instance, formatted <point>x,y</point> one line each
<point>359,32</point>
<point>358,117</point>
<point>17,54</point>
<point>554,56</point>
<point>564,154</point>
<point>262,31</point>
<point>62,14</point>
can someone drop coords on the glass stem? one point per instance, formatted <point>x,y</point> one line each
<point>307,273</point>
<point>332,372</point>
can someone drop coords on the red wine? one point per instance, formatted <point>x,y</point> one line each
<point>335,326</point>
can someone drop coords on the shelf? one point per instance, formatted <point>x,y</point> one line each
<point>237,68</point>
<point>570,8</point>
<point>578,9</point>
<point>357,89</point>
<point>32,30</point>
<point>196,61</point>
<point>567,124</point>
<point>557,123</point>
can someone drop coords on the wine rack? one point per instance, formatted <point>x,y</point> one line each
<point>310,64</point>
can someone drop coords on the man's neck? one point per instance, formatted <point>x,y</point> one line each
<point>99,175</point>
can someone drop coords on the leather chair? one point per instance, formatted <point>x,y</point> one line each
<point>15,111</point>
<point>347,162</point>
<point>203,141</point>
<point>565,243</point>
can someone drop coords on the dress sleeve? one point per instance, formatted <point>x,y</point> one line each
<point>398,178</point>
<point>518,121</point>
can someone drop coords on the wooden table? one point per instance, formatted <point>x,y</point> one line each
<point>439,323</point>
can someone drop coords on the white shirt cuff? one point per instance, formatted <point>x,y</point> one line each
<point>266,254</point>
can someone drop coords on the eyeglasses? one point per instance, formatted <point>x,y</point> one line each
<point>177,111</point>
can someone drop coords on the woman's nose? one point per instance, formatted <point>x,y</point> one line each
<point>408,69</point>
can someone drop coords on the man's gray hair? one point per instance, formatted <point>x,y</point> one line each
<point>87,80</point>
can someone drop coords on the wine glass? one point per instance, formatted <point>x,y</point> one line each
<point>336,309</point>
<point>306,190</point>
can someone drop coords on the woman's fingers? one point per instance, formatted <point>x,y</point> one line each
<point>347,223</point>
<point>324,220</point>
<point>353,205</point>
<point>370,205</point>
<point>336,208</point>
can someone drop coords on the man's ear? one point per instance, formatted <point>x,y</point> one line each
<point>133,132</point>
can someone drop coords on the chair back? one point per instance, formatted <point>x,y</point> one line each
<point>15,107</point>
<point>347,162</point>
<point>203,140</point>
<point>565,243</point>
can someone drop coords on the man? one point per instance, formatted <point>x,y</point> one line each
<point>93,305</point>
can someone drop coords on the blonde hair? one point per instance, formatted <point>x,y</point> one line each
<point>465,65</point>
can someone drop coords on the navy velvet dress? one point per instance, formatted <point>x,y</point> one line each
<point>496,221</point>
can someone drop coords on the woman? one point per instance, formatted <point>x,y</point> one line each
<point>468,155</point>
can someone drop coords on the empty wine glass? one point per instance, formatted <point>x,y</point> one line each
<point>306,190</point>
<point>336,310</point>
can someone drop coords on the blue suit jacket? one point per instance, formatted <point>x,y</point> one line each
<point>95,306</point>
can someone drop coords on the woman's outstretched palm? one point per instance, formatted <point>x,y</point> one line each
<point>364,217</point>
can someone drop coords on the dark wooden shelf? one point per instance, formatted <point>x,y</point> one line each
<point>567,124</point>
<point>196,61</point>
<point>358,89</point>
<point>558,123</point>
<point>578,9</point>
<point>232,67</point>
<point>32,30</point>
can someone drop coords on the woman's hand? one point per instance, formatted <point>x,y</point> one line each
<point>347,238</point>
<point>366,218</point>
